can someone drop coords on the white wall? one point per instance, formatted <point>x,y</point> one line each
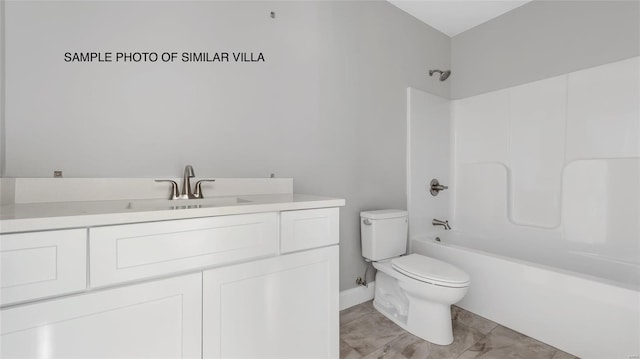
<point>327,107</point>
<point>542,39</point>
<point>557,159</point>
<point>428,157</point>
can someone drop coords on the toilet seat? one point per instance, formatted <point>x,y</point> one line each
<point>431,270</point>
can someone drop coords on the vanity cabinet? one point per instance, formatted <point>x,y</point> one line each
<point>281,307</point>
<point>159,319</point>
<point>249,285</point>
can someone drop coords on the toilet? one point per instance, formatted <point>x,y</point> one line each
<point>414,291</point>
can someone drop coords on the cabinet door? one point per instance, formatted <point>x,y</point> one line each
<point>282,307</point>
<point>160,319</point>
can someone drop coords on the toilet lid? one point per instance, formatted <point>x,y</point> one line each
<point>430,270</point>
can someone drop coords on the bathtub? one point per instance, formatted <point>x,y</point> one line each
<point>580,302</point>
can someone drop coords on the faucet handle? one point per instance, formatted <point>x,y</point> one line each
<point>198,193</point>
<point>435,187</point>
<point>175,194</point>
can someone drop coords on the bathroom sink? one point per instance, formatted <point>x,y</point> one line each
<point>185,203</point>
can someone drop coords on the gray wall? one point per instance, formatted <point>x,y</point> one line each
<point>327,108</point>
<point>2,89</point>
<point>543,39</point>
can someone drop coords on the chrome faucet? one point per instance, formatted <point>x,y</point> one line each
<point>186,192</point>
<point>437,222</point>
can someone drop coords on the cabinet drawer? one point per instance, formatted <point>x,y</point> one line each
<point>134,251</point>
<point>42,264</point>
<point>309,229</point>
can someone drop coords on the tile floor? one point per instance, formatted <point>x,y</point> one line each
<point>365,333</point>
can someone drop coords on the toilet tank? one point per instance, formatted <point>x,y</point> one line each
<point>383,233</point>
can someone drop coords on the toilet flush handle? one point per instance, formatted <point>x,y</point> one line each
<point>367,222</point>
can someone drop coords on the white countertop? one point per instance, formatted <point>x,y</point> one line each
<point>60,215</point>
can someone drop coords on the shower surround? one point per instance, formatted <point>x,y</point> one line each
<point>545,177</point>
<point>556,159</point>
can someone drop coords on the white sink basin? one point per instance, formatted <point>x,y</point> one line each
<point>185,203</point>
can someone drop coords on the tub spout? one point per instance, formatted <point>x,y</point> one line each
<point>437,222</point>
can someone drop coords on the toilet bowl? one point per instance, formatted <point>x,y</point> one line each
<point>420,300</point>
<point>414,291</point>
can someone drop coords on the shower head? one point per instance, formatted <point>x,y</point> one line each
<point>443,74</point>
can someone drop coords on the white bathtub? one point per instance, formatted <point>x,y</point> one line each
<point>580,302</point>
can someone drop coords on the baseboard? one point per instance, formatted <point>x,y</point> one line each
<point>357,295</point>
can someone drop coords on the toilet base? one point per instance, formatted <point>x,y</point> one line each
<point>431,322</point>
<point>433,325</point>
<point>423,310</point>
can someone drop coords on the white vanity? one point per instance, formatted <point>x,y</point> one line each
<point>250,275</point>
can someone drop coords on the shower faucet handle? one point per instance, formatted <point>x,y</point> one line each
<point>436,187</point>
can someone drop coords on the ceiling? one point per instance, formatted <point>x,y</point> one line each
<point>455,16</point>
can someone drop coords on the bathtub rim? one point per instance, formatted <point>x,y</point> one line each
<point>430,237</point>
